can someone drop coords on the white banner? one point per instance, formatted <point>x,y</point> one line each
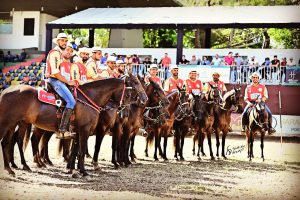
<point>205,72</point>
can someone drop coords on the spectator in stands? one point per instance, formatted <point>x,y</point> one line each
<point>237,70</point>
<point>253,62</point>
<point>266,67</point>
<point>104,58</point>
<point>216,61</point>
<point>205,61</point>
<point>155,61</point>
<point>135,59</point>
<point>291,62</point>
<point>1,56</point>
<point>229,60</point>
<point>8,57</point>
<point>275,64</point>
<point>184,61</point>
<point>120,57</point>
<point>283,69</point>
<point>147,61</point>
<point>238,60</point>
<point>193,61</point>
<point>23,55</point>
<point>128,60</point>
<point>166,61</point>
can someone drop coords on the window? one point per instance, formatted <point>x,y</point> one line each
<point>6,25</point>
<point>29,26</point>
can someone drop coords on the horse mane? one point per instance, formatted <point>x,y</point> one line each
<point>228,94</point>
<point>98,83</point>
<point>172,93</point>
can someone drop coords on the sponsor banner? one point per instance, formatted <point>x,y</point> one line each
<point>292,76</point>
<point>290,124</point>
<point>205,72</point>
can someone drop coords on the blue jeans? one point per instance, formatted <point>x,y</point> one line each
<point>63,91</point>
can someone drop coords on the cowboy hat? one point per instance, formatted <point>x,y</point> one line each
<point>174,67</point>
<point>217,73</point>
<point>255,74</point>
<point>152,66</point>
<point>60,36</point>
<point>119,62</point>
<point>111,59</point>
<point>83,50</point>
<point>95,49</point>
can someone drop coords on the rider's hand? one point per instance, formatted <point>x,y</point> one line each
<point>71,83</point>
<point>258,100</point>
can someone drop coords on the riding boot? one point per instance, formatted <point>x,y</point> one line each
<point>63,132</point>
<point>271,129</point>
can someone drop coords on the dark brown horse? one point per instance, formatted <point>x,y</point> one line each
<point>205,119</point>
<point>158,100</point>
<point>222,114</point>
<point>258,123</point>
<point>20,103</point>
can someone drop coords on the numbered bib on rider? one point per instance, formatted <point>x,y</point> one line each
<point>83,78</point>
<point>196,91</point>
<point>255,95</point>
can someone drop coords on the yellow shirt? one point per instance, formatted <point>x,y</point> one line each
<point>91,67</point>
<point>54,58</point>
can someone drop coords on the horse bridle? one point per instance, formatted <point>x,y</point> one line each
<point>180,106</point>
<point>259,123</point>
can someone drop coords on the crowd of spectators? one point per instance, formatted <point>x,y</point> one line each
<point>8,57</point>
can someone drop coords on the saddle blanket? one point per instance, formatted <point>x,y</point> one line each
<point>46,97</point>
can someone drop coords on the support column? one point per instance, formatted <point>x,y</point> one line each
<point>48,39</point>
<point>179,45</point>
<point>207,43</point>
<point>91,37</point>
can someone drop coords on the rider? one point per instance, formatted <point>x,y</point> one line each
<point>78,69</point>
<point>256,92</point>
<point>216,82</point>
<point>119,71</point>
<point>193,84</point>
<point>111,65</point>
<point>91,65</point>
<point>153,75</point>
<point>173,82</point>
<point>58,69</point>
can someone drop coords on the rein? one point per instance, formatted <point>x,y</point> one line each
<point>90,102</point>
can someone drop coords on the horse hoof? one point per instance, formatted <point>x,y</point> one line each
<point>212,158</point>
<point>182,159</point>
<point>146,155</point>
<point>199,158</point>
<point>10,171</point>
<point>87,177</point>
<point>203,154</point>
<point>88,156</point>
<point>166,160</point>
<point>133,160</point>
<point>193,153</point>
<point>96,168</point>
<point>224,157</point>
<point>75,175</point>
<point>48,162</point>
<point>13,165</point>
<point>26,168</point>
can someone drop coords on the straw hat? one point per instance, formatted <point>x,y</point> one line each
<point>95,49</point>
<point>174,67</point>
<point>111,59</point>
<point>59,36</point>
<point>152,66</point>
<point>83,50</point>
<point>216,73</point>
<point>119,62</point>
<point>255,74</point>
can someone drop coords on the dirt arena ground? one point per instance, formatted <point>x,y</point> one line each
<point>236,178</point>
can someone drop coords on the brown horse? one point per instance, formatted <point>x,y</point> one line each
<point>156,99</point>
<point>205,119</point>
<point>20,103</point>
<point>258,123</point>
<point>222,114</point>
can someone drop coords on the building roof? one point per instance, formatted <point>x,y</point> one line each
<point>172,17</point>
<point>67,7</point>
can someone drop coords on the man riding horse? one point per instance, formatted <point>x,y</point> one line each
<point>119,71</point>
<point>153,75</point>
<point>256,92</point>
<point>216,83</point>
<point>78,69</point>
<point>174,82</point>
<point>111,65</point>
<point>193,84</point>
<point>91,65</point>
<point>58,73</point>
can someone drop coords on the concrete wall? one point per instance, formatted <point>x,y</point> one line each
<point>260,54</point>
<point>17,40</point>
<point>124,38</point>
<point>44,19</point>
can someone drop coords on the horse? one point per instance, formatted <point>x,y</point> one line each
<point>258,123</point>
<point>20,103</point>
<point>182,124</point>
<point>157,102</point>
<point>222,115</point>
<point>205,119</point>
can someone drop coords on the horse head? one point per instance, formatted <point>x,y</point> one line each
<point>134,82</point>
<point>214,94</point>
<point>233,98</point>
<point>183,107</point>
<point>262,114</point>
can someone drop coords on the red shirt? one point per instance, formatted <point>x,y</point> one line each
<point>220,85</point>
<point>229,60</point>
<point>174,83</point>
<point>155,79</point>
<point>193,85</point>
<point>82,71</point>
<point>255,91</point>
<point>166,61</point>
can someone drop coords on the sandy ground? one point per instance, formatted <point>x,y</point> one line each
<point>236,178</point>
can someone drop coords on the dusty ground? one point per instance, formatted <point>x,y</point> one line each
<point>236,178</point>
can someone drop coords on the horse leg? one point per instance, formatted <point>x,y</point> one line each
<point>73,156</point>
<point>218,142</point>
<point>6,149</point>
<point>161,153</point>
<point>181,147</point>
<point>209,144</point>
<point>194,142</point>
<point>98,142</point>
<point>147,143</point>
<point>200,135</point>
<point>84,135</point>
<point>262,145</point>
<point>165,148</point>
<point>14,141</point>
<point>223,144</point>
<point>157,139</point>
<point>251,146</point>
<point>44,151</point>
<point>35,139</point>
<point>202,144</point>
<point>21,134</point>
<point>115,149</point>
<point>132,154</point>
<point>176,142</point>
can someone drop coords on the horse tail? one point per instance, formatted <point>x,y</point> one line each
<point>150,138</point>
<point>27,136</point>
<point>60,147</point>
